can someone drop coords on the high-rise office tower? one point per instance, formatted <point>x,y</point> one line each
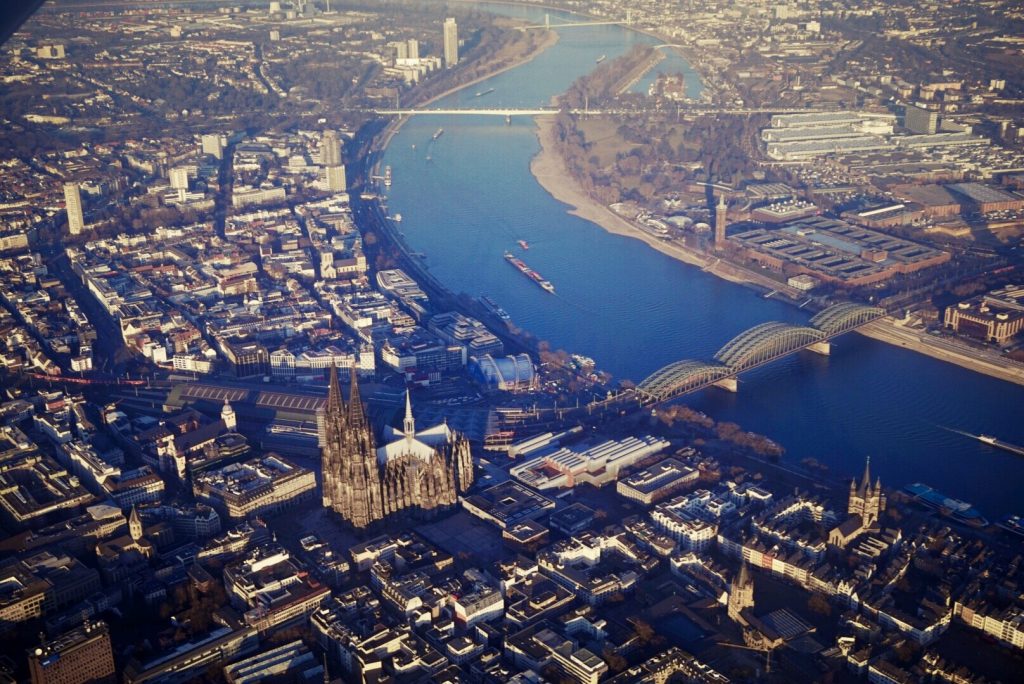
<point>73,202</point>
<point>919,120</point>
<point>81,655</point>
<point>451,42</point>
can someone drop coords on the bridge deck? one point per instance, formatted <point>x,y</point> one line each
<point>763,344</point>
<point>570,25</point>
<point>538,111</point>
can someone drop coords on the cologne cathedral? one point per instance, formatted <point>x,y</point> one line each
<point>418,473</point>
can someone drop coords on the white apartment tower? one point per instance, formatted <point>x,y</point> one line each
<point>330,159</point>
<point>213,144</point>
<point>451,43</point>
<point>179,178</point>
<point>73,202</point>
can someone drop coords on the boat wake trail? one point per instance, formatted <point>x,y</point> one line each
<point>955,431</point>
<point>577,305</point>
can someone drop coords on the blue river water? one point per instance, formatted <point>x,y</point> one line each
<point>468,196</point>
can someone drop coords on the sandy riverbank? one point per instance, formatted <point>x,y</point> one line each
<point>550,171</point>
<point>548,167</point>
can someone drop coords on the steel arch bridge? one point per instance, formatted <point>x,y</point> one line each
<point>844,317</point>
<point>765,342</point>
<point>681,378</point>
<point>759,345</point>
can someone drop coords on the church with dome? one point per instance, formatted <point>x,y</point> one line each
<point>410,473</point>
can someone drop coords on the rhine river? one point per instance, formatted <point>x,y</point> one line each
<point>469,196</point>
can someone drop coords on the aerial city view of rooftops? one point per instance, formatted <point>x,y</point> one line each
<point>561,341</point>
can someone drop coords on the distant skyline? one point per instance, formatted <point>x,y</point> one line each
<point>699,356</point>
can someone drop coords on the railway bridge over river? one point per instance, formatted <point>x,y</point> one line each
<point>751,349</point>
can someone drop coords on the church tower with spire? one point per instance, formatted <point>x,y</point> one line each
<point>135,525</point>
<point>409,424</point>
<point>867,500</point>
<point>741,595</point>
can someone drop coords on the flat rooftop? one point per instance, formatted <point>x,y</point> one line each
<point>657,475</point>
<point>509,503</point>
<point>249,478</point>
<point>839,249</point>
<point>984,194</point>
<point>929,195</point>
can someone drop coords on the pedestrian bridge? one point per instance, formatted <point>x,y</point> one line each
<point>762,344</point>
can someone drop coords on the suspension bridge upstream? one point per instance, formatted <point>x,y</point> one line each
<point>753,348</point>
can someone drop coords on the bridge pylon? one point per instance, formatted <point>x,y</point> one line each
<point>728,384</point>
<point>547,21</point>
<point>824,348</point>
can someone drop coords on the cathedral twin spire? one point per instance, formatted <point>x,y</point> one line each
<point>351,480</point>
<point>355,415</point>
<point>335,402</point>
<point>364,484</point>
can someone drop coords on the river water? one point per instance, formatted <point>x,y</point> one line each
<point>469,196</point>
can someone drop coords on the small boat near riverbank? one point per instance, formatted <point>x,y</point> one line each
<point>485,92</point>
<point>437,134</point>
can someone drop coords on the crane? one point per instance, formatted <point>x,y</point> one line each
<point>767,650</point>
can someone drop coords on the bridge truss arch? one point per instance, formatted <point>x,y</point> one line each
<point>681,377</point>
<point>840,318</point>
<point>765,342</point>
